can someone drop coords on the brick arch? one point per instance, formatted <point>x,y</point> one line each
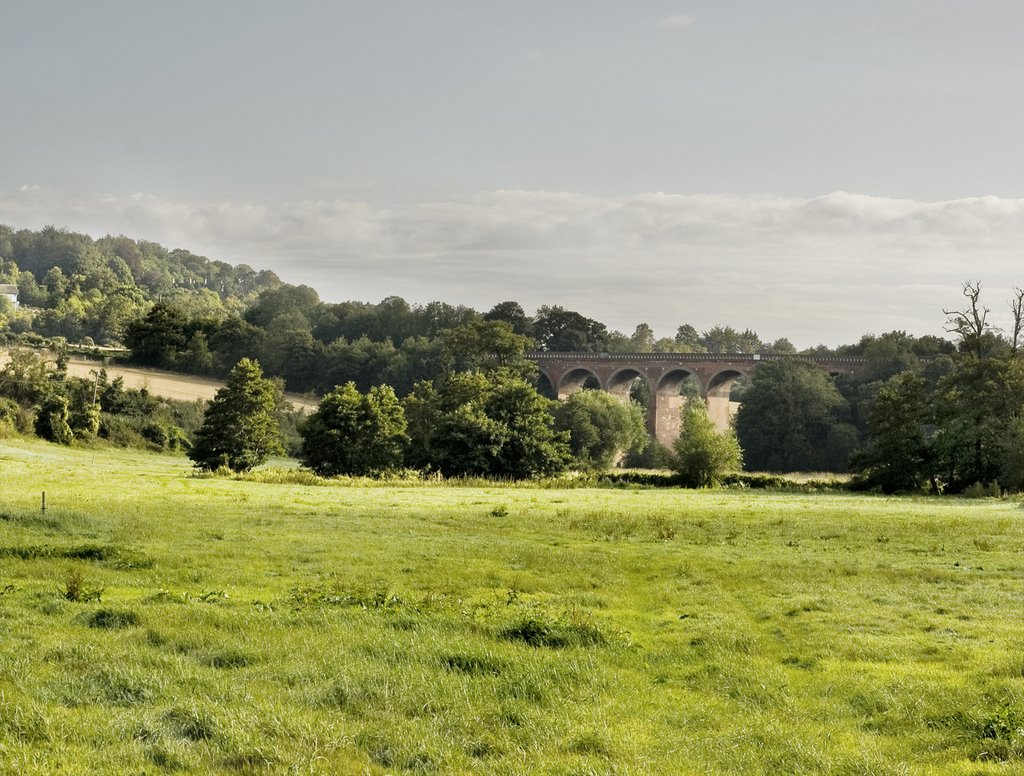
<point>622,380</point>
<point>573,380</point>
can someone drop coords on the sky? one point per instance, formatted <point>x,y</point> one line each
<point>811,169</point>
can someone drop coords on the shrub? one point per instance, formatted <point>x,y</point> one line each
<point>703,454</point>
<point>52,420</point>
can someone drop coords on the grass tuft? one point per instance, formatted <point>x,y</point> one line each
<point>114,619</point>
<point>538,630</point>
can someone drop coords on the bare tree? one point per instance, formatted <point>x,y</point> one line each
<point>971,324</point>
<point>1017,312</point>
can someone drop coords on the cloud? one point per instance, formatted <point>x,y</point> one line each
<point>821,269</point>
<point>677,21</point>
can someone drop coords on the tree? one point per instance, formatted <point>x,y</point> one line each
<point>362,361</point>
<point>354,433</point>
<point>726,339</point>
<point>887,355</point>
<point>601,428</point>
<point>898,456</point>
<point>642,340</point>
<point>702,453</point>
<point>558,329</point>
<point>492,425</point>
<point>513,314</point>
<point>688,339</point>
<point>25,377</point>
<point>486,346</point>
<point>793,419</point>
<point>977,406</point>
<point>157,338</point>
<point>286,299</point>
<point>978,338</point>
<point>240,428</point>
<point>233,340</point>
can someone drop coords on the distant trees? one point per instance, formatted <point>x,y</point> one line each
<point>487,345</point>
<point>240,427</point>
<point>558,329</point>
<point>923,411</point>
<point>793,418</point>
<point>959,426</point>
<point>898,456</point>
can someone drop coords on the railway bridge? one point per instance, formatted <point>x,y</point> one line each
<point>665,374</point>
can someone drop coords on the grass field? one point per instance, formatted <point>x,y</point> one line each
<point>152,622</point>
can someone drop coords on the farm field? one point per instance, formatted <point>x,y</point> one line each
<point>169,385</point>
<point>152,621</point>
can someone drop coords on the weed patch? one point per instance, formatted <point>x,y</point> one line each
<point>76,589</point>
<point>332,595</point>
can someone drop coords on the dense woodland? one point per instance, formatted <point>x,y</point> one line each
<point>453,389</point>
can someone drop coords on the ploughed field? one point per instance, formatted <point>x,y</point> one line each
<point>152,621</point>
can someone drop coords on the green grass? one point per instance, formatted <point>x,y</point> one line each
<point>152,621</point>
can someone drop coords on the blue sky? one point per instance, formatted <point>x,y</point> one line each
<point>813,170</point>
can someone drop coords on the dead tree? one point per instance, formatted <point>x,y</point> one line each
<point>1017,312</point>
<point>971,324</point>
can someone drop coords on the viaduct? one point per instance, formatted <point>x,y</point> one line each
<point>664,374</point>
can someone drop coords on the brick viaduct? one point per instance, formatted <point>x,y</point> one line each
<point>665,374</point>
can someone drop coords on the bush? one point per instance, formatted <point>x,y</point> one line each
<point>10,413</point>
<point>120,431</point>
<point>52,420</point>
<point>702,454</point>
<point>981,490</point>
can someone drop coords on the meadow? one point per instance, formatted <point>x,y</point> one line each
<point>152,621</point>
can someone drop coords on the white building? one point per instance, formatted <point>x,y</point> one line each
<point>10,291</point>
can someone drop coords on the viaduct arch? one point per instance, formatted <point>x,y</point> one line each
<point>664,374</point>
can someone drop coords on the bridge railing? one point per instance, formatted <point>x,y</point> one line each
<point>690,357</point>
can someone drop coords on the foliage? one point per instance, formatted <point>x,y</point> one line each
<point>558,329</point>
<point>601,428</point>
<point>52,419</point>
<point>25,377</point>
<point>792,419</point>
<point>486,346</point>
<point>240,428</point>
<point>354,433</point>
<point>512,313</point>
<point>898,457</point>
<point>702,453</point>
<point>977,405</point>
<point>491,425</point>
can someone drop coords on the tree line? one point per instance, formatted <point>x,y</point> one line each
<point>926,412</point>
